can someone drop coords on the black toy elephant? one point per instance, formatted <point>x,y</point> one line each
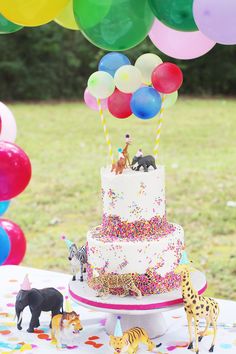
<point>48,299</point>
<point>143,161</point>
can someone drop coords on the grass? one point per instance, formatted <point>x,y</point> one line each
<point>66,146</point>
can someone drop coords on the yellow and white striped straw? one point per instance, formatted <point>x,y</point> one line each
<point>158,133</point>
<point>108,141</point>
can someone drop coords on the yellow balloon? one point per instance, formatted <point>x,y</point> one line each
<point>66,17</point>
<point>31,13</point>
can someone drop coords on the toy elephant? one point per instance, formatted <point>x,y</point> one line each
<point>48,299</point>
<point>143,161</point>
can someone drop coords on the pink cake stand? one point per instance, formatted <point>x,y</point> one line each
<point>146,313</point>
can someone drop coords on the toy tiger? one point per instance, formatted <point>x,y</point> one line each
<point>112,281</point>
<point>64,326</point>
<point>130,341</point>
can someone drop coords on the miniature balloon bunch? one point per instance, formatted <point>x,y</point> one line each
<point>15,172</point>
<point>127,89</point>
<point>144,89</point>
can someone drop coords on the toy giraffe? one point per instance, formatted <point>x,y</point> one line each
<point>125,150</point>
<point>196,307</point>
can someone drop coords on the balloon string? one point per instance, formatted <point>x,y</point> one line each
<point>103,121</point>
<point>158,132</point>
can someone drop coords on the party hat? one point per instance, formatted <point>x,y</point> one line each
<point>68,242</point>
<point>118,330</point>
<point>68,306</point>
<point>184,259</point>
<point>26,285</point>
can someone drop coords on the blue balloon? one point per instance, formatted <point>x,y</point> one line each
<point>112,62</point>
<point>145,103</point>
<point>5,245</point>
<point>4,206</point>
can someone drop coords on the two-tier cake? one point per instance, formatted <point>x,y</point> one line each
<point>135,236</point>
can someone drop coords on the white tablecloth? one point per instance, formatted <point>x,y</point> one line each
<point>93,338</point>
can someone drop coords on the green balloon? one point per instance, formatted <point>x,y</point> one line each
<point>114,24</point>
<point>7,26</point>
<point>177,14</point>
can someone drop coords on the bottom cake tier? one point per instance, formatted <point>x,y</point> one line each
<point>151,261</point>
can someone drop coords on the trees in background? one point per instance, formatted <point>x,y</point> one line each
<point>50,62</point>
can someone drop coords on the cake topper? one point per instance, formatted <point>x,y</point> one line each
<point>109,281</point>
<point>48,299</point>
<point>196,306</point>
<point>77,258</point>
<point>126,93</point>
<point>123,161</point>
<point>119,166</point>
<point>142,161</point>
<point>64,327</point>
<point>128,342</point>
<point>125,152</point>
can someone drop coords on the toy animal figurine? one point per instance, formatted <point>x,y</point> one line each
<point>119,166</point>
<point>196,307</point>
<point>64,326</point>
<point>125,150</point>
<point>48,299</point>
<point>130,340</point>
<point>77,257</point>
<point>143,161</point>
<point>109,281</point>
<point>123,161</point>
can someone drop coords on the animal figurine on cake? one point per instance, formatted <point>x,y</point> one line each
<point>77,257</point>
<point>129,341</point>
<point>119,166</point>
<point>125,152</point>
<point>123,160</point>
<point>38,300</point>
<point>106,282</point>
<point>196,306</point>
<point>143,161</point>
<point>65,326</point>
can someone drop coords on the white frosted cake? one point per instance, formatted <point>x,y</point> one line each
<point>134,236</point>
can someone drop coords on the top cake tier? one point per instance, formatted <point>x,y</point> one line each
<point>133,202</point>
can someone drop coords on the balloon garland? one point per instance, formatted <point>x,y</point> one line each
<point>124,87</point>
<point>182,29</point>
<point>15,172</point>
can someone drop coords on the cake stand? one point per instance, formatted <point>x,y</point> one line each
<point>146,313</point>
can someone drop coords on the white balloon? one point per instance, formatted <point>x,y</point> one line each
<point>146,63</point>
<point>8,124</point>
<point>128,78</point>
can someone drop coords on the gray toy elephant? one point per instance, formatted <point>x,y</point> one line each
<point>143,161</point>
<point>48,299</point>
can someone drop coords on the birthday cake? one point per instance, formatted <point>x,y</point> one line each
<point>135,236</point>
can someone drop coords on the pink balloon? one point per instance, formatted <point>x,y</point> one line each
<point>17,240</point>
<point>179,45</point>
<point>91,101</point>
<point>15,170</point>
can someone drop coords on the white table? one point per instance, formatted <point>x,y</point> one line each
<point>93,338</point>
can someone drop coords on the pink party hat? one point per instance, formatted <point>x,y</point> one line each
<point>26,285</point>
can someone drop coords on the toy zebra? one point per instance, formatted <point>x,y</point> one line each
<point>77,257</point>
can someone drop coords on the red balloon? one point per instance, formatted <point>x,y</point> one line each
<point>17,240</point>
<point>167,78</point>
<point>119,104</point>
<point>15,170</point>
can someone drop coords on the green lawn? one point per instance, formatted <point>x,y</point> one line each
<point>66,146</point>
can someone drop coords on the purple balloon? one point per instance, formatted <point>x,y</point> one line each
<point>91,101</point>
<point>216,19</point>
<point>177,44</point>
